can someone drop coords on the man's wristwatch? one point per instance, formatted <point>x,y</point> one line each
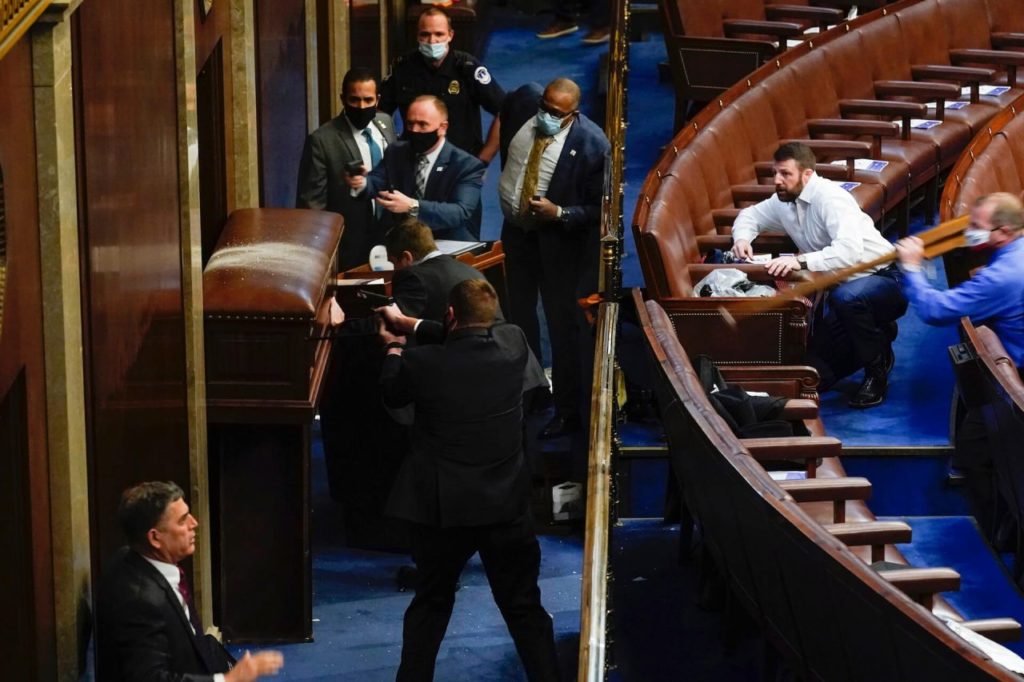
<point>802,260</point>
<point>414,210</point>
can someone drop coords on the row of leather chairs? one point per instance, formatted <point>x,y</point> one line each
<point>711,44</point>
<point>802,556</point>
<point>839,93</point>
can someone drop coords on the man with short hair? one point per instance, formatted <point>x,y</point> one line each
<point>552,180</point>
<point>993,296</point>
<point>148,626</point>
<point>457,78</point>
<point>831,233</point>
<point>357,136</point>
<point>425,177</point>
<point>465,486</point>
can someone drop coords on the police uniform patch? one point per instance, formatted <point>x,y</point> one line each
<point>453,88</point>
<point>482,75</point>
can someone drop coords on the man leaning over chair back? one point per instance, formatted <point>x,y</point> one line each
<point>148,626</point>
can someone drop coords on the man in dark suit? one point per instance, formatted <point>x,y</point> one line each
<point>553,161</point>
<point>465,486</point>
<point>148,627</point>
<point>425,177</point>
<point>360,134</point>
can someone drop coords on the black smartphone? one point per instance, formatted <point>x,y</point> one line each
<point>354,167</point>
<point>374,299</point>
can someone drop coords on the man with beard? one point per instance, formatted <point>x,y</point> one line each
<point>425,177</point>
<point>831,233</point>
<point>357,136</point>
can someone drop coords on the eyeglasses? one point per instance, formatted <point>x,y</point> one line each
<point>543,106</point>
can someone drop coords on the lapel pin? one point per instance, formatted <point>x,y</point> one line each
<point>572,152</point>
<point>439,169</point>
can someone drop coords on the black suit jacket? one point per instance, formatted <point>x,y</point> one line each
<point>421,290</point>
<point>322,185</point>
<point>466,467</point>
<point>578,181</point>
<point>451,203</point>
<point>143,633</point>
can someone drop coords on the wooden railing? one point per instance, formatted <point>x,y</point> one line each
<point>16,17</point>
<point>594,602</point>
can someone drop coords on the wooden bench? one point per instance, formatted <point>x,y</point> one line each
<point>805,579</point>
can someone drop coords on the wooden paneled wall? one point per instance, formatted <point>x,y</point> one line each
<point>281,87</point>
<point>26,596</point>
<point>127,148</point>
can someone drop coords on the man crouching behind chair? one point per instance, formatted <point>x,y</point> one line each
<point>148,625</point>
<point>832,233</point>
<point>465,486</point>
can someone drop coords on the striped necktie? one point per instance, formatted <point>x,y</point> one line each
<point>422,168</point>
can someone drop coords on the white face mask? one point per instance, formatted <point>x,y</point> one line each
<point>974,237</point>
<point>434,51</point>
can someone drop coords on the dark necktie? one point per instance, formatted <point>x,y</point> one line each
<point>186,595</point>
<point>375,153</point>
<point>422,168</point>
<point>531,174</point>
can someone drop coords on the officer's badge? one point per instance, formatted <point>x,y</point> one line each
<point>453,88</point>
<point>482,75</point>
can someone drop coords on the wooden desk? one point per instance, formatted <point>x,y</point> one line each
<point>266,360</point>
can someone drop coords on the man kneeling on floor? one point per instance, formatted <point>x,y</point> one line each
<point>465,486</point>
<point>831,233</point>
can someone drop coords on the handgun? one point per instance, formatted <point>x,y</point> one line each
<point>354,168</point>
<point>374,299</point>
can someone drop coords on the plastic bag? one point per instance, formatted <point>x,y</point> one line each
<point>730,282</point>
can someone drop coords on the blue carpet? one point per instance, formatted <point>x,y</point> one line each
<point>909,486</point>
<point>986,590</point>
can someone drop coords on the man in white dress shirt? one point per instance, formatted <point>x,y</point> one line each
<point>831,233</point>
<point>148,627</point>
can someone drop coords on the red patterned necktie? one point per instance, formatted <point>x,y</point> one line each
<point>186,595</point>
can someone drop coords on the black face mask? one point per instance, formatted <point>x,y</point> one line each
<point>360,118</point>
<point>420,142</point>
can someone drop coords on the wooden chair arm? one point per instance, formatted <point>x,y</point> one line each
<point>724,217</point>
<point>808,448</point>
<point>995,57</point>
<point>917,89</point>
<point>798,409</point>
<point>922,584</point>
<point>996,629</point>
<point>709,242</point>
<point>1004,40</point>
<point>880,107</point>
<point>822,16</point>
<point>961,74</point>
<point>878,534</point>
<point>834,490</point>
<point>744,193</point>
<point>777,29</point>
<point>766,169</point>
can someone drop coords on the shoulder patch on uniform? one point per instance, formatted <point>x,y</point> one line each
<point>482,75</point>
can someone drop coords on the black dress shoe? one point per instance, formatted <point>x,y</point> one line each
<point>876,381</point>
<point>559,426</point>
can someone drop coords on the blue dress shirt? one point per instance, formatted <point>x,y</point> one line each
<point>995,295</point>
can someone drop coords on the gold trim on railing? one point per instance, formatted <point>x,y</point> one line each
<point>615,129</point>
<point>594,602</point>
<point>16,18</point>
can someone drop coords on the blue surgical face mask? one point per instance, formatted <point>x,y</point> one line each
<point>548,124</point>
<point>975,238</point>
<point>434,51</point>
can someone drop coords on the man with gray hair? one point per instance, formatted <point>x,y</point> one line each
<point>148,626</point>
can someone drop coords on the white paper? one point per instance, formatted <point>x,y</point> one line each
<point>450,247</point>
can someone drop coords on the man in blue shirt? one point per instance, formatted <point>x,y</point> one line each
<point>996,293</point>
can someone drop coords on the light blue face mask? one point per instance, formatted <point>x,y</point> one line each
<point>434,51</point>
<point>548,124</point>
<point>974,237</point>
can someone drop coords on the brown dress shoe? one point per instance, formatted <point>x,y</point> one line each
<point>557,29</point>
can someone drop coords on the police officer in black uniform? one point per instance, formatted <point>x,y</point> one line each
<point>457,78</point>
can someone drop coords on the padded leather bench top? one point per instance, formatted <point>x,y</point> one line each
<point>271,262</point>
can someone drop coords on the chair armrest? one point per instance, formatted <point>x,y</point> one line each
<point>778,29</point>
<point>878,534</point>
<point>842,148</point>
<point>710,242</point>
<point>1003,40</point>
<point>834,490</point>
<point>922,584</point>
<point>916,89</point>
<point>724,217</point>
<point>766,169</point>
<point>878,107</point>
<point>741,193</point>
<point>1007,59</point>
<point>798,409</point>
<point>809,448</point>
<point>745,374</point>
<point>823,16</point>
<point>961,74</point>
<point>996,629</point>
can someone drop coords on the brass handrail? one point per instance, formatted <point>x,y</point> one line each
<point>594,602</point>
<point>16,18</point>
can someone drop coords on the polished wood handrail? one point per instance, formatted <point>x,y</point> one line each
<point>594,601</point>
<point>16,18</point>
<point>615,128</point>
